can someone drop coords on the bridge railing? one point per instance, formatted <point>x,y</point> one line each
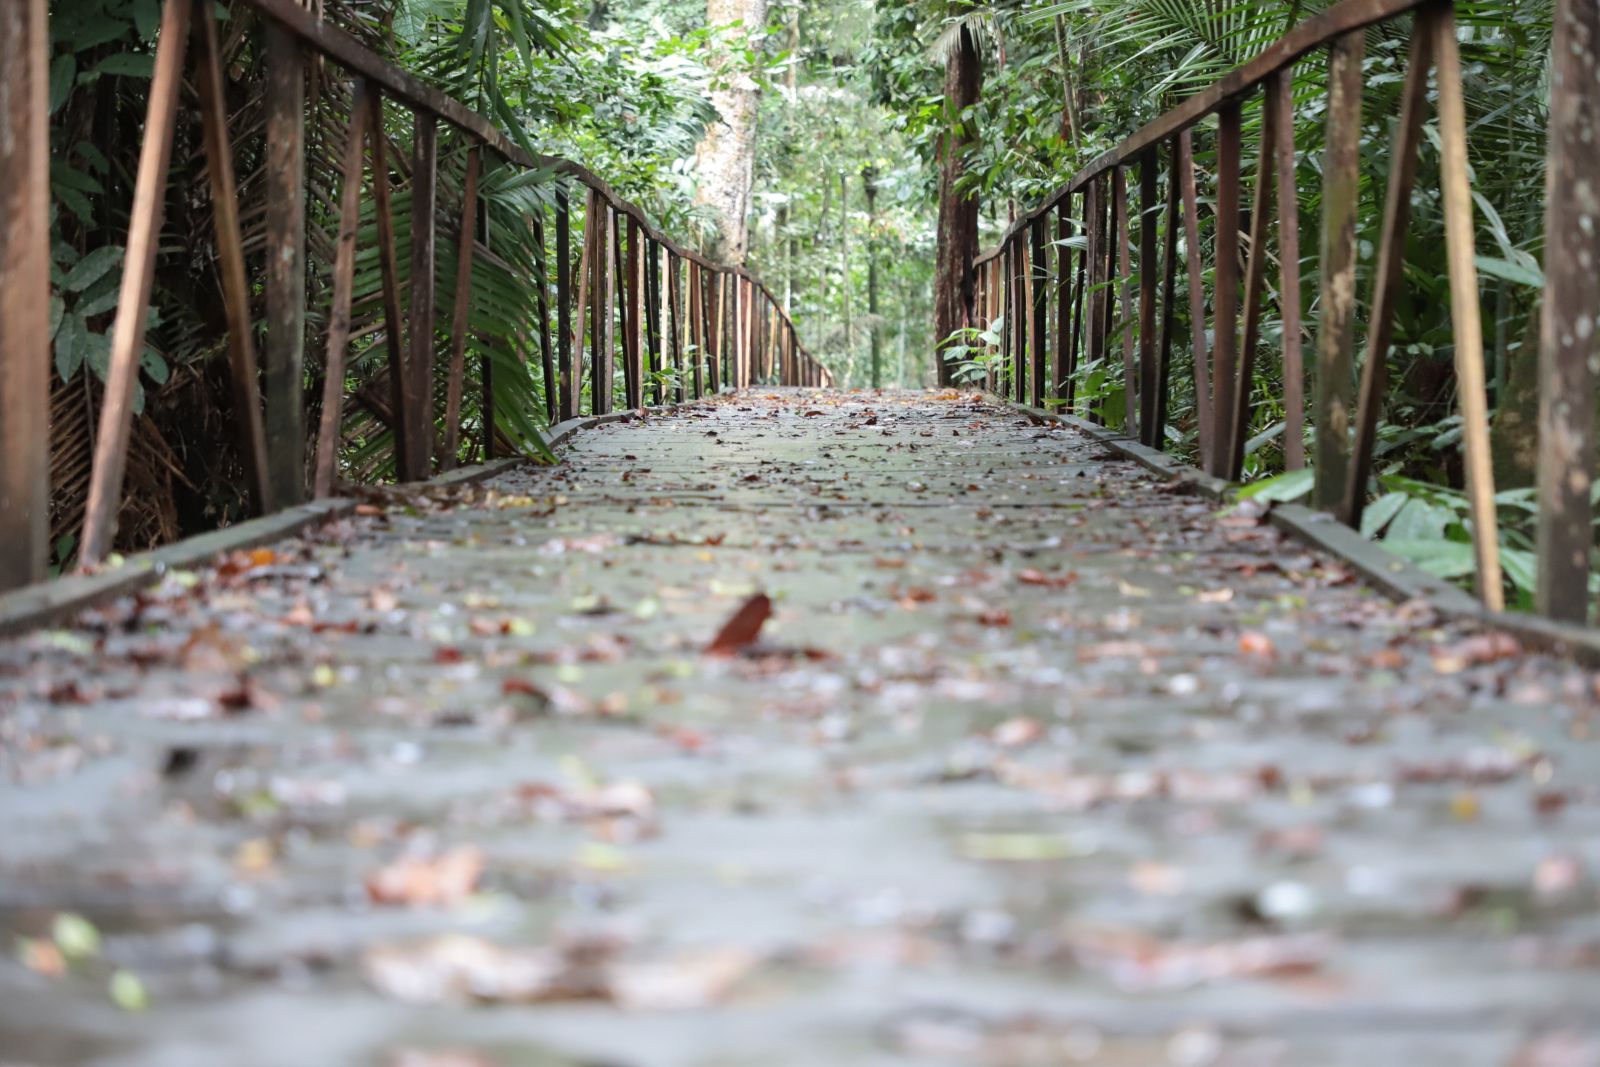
<point>1085,266</point>
<point>714,325</point>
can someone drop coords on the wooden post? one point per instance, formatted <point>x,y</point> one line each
<point>419,377</point>
<point>695,307</point>
<point>630,258</point>
<point>1567,326</point>
<point>711,293</point>
<point>652,316</point>
<point>1388,280</point>
<point>674,322</point>
<point>602,325</point>
<point>486,404</point>
<point>283,355</point>
<point>1148,208</point>
<point>1465,312</point>
<point>1062,365</point>
<point>1226,335</point>
<point>394,323</point>
<point>138,276</point>
<point>1337,263</point>
<point>564,407</point>
<point>344,265</point>
<point>1076,341</point>
<point>244,371</point>
<point>1008,314</point>
<point>547,353</point>
<point>24,292</point>
<point>1040,288</point>
<point>1280,115</point>
<point>465,239</point>
<point>1095,329</point>
<point>1130,382</point>
<point>1254,277</point>
<point>1169,312</point>
<point>592,227</point>
<point>1205,415</point>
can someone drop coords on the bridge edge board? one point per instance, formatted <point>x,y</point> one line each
<point>1397,578</point>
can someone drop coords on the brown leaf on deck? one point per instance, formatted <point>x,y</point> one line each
<point>422,882</point>
<point>743,628</point>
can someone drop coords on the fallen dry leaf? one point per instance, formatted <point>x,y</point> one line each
<point>1474,650</point>
<point>459,967</point>
<point>1252,643</point>
<point>742,629</point>
<point>1052,581</point>
<point>428,882</point>
<point>1014,733</point>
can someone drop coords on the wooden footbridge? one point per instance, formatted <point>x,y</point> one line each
<point>785,724</point>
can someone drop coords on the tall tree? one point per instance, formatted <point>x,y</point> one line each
<point>958,211</point>
<point>725,158</point>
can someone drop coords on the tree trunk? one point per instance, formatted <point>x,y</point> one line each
<point>958,214</point>
<point>725,159</point>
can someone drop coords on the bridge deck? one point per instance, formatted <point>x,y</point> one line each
<point>1038,761</point>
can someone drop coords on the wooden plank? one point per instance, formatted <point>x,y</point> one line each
<point>1040,287</point>
<point>1149,208</point>
<point>24,292</point>
<point>138,276</point>
<point>344,265</point>
<point>243,370</point>
<point>1388,280</point>
<point>419,377</point>
<point>1280,113</point>
<point>1169,312</point>
<point>1254,278</point>
<point>1337,260</point>
<point>1343,20</point>
<point>1567,317</point>
<point>1205,415</point>
<point>1225,334</point>
<point>1465,312</point>
<point>394,322</point>
<point>284,351</point>
<point>466,238</point>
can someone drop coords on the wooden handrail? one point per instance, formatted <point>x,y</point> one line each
<point>1019,271</point>
<point>1315,32</point>
<point>759,343</point>
<point>406,88</point>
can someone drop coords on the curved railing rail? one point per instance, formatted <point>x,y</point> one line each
<point>725,317</point>
<point>1015,280</point>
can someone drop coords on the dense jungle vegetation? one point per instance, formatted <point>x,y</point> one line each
<point>851,130</point>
